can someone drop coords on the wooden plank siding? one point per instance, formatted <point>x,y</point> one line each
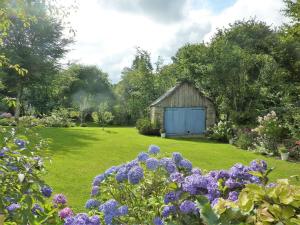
<point>185,95</point>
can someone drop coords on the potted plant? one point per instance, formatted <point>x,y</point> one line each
<point>283,153</point>
<point>162,132</point>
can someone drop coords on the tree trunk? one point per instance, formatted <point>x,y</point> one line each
<point>18,101</point>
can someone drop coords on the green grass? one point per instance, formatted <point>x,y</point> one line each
<point>78,154</point>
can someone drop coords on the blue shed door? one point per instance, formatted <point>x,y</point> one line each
<point>184,121</point>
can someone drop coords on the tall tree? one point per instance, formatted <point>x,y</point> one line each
<point>37,47</point>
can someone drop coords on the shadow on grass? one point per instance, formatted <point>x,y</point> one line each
<point>196,139</point>
<point>64,140</point>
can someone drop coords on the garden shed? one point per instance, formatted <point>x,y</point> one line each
<point>183,110</point>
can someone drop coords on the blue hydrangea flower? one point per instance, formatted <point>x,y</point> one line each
<point>214,202</point>
<point>13,207</point>
<point>110,171</point>
<point>20,143</point>
<point>158,221</point>
<point>95,190</point>
<point>131,164</point>
<point>186,164</point>
<point>177,157</point>
<point>135,175</point>
<point>153,149</point>
<point>233,196</point>
<point>82,219</point>
<point>271,185</point>
<point>121,174</point>
<point>168,210</point>
<point>152,164</point>
<point>123,210</point>
<point>222,174</point>
<point>143,157</point>
<point>98,179</point>
<point>110,210</point>
<point>187,207</point>
<point>3,150</point>
<point>195,184</point>
<point>37,209</point>
<point>169,165</point>
<point>92,203</point>
<point>46,191</point>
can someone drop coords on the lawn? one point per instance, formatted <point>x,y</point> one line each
<point>78,154</point>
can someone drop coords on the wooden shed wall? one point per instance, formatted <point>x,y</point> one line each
<point>186,95</point>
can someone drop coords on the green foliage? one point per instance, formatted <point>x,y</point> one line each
<point>145,127</point>
<point>222,131</point>
<point>275,204</point>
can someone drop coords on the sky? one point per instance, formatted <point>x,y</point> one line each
<point>109,31</point>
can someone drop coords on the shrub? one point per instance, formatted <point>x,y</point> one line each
<point>29,121</point>
<point>145,127</point>
<point>166,188</point>
<point>222,131</point>
<point>277,203</point>
<point>294,150</point>
<point>23,193</point>
<point>270,133</point>
<point>58,118</point>
<point>7,121</point>
<point>245,139</point>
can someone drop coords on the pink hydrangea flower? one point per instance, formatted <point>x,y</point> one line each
<point>65,212</point>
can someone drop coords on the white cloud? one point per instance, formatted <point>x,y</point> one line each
<point>107,34</point>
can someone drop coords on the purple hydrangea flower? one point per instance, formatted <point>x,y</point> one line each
<point>196,171</point>
<point>81,218</point>
<point>143,157</point>
<point>177,157</point>
<point>37,209</point>
<point>177,177</point>
<point>98,179</point>
<point>65,212</point>
<point>123,210</point>
<point>258,165</point>
<point>195,184</point>
<point>158,221</point>
<point>153,149</point>
<point>59,199</point>
<point>168,210</point>
<point>121,174</point>
<point>46,191</point>
<point>135,175</point>
<point>222,174</point>
<point>13,207</point>
<point>110,210</point>
<point>171,197</point>
<point>186,164</point>
<point>92,203</point>
<point>233,196</point>
<point>152,164</point>
<point>232,184</point>
<point>94,220</point>
<point>95,190</point>
<point>271,185</point>
<point>187,207</point>
<point>214,202</point>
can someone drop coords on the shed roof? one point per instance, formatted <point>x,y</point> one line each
<point>172,90</point>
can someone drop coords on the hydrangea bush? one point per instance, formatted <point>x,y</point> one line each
<point>23,193</point>
<point>155,189</point>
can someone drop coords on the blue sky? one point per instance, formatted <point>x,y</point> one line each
<point>108,31</point>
